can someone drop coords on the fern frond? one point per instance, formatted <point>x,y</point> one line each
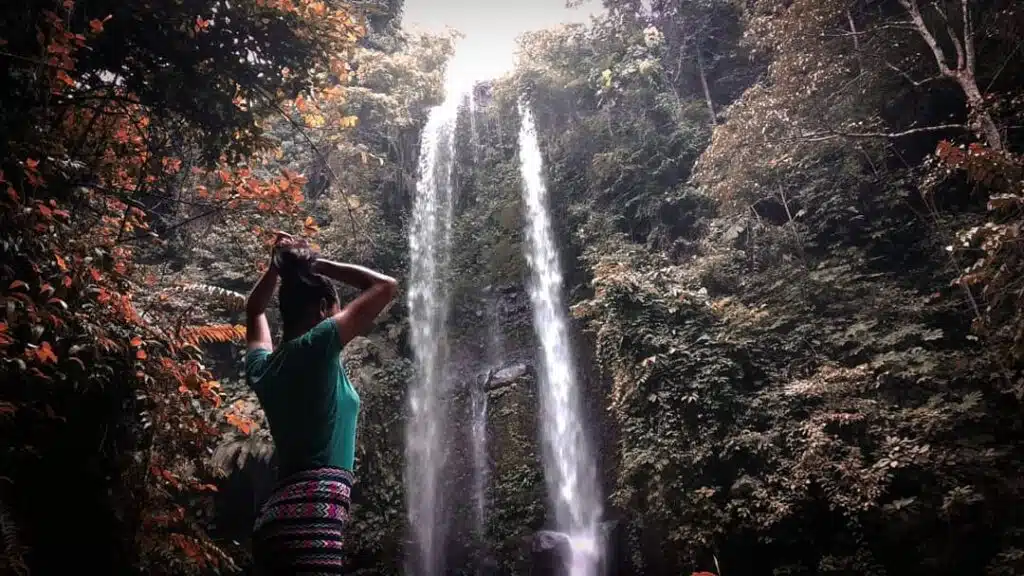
<point>231,455</point>
<point>197,335</point>
<point>234,301</point>
<point>12,556</point>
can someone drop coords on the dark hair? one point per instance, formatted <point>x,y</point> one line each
<point>301,288</point>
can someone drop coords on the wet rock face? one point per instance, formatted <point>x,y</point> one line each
<point>549,554</point>
<point>507,374</point>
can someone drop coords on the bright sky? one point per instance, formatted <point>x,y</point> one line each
<point>490,28</point>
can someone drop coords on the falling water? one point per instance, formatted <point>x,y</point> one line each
<point>478,406</point>
<point>478,394</point>
<point>569,470</point>
<point>429,244</point>
<point>474,138</point>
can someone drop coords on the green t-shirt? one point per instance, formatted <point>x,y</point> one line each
<point>311,406</point>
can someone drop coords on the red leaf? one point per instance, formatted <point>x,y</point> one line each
<point>140,354</point>
<point>96,26</point>
<point>136,341</point>
<point>17,284</point>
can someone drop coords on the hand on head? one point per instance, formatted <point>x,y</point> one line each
<point>291,255</point>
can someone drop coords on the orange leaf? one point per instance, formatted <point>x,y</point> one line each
<point>45,353</point>
<point>136,341</point>
<point>67,282</point>
<point>63,77</point>
<point>96,26</point>
<point>140,354</point>
<point>61,263</point>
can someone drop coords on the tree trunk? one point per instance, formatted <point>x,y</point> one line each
<point>963,71</point>
<point>980,118</point>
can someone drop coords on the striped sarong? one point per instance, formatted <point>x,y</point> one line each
<point>300,529</point>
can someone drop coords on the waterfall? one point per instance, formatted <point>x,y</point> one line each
<point>429,244</point>
<point>568,466</point>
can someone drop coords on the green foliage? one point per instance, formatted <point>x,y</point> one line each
<point>375,540</point>
<point>793,379</point>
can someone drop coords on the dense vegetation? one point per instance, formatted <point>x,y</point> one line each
<point>791,232</point>
<point>796,224</point>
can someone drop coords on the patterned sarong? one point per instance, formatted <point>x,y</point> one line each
<point>301,527</point>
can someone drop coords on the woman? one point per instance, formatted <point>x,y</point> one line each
<point>310,404</point>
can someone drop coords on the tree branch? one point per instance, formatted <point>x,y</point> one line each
<point>915,83</point>
<point>833,134</point>
<point>968,35</point>
<point>915,16</point>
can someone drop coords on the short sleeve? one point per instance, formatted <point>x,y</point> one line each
<point>323,340</point>
<point>255,365</point>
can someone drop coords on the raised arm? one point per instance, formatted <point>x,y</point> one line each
<point>257,329</point>
<point>358,316</point>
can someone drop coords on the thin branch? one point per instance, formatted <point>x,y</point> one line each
<point>853,30</point>
<point>29,60</point>
<point>872,30</point>
<point>915,83</point>
<point>184,222</point>
<point>833,134</point>
<point>1004,65</point>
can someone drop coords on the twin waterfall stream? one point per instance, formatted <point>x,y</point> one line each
<point>569,467</point>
